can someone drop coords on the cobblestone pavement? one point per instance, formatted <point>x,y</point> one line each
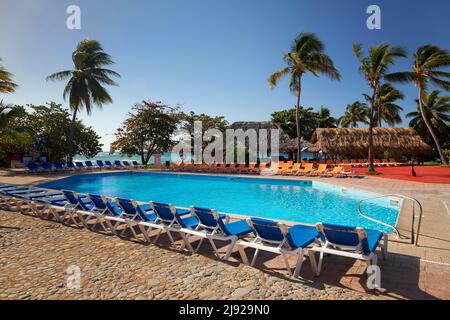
<point>35,256</point>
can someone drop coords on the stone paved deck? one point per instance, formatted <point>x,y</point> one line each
<point>35,254</point>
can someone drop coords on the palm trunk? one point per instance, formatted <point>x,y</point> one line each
<point>297,120</point>
<point>372,109</point>
<point>430,129</point>
<point>72,133</point>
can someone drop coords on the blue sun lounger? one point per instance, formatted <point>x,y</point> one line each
<point>108,164</point>
<point>75,205</point>
<point>118,165</point>
<point>126,164</point>
<point>80,165</point>
<point>47,206</point>
<point>166,217</point>
<point>215,226</point>
<point>89,165</point>
<point>133,214</point>
<point>71,166</point>
<point>356,243</point>
<point>275,237</point>
<point>136,164</point>
<point>33,167</point>
<point>21,200</point>
<point>59,167</point>
<point>100,164</point>
<point>47,166</point>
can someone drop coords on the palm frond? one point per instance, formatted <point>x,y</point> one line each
<point>275,77</point>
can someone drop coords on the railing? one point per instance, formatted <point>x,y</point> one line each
<point>414,237</point>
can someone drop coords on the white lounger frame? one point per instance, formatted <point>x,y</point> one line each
<point>211,234</point>
<point>354,252</point>
<point>277,247</point>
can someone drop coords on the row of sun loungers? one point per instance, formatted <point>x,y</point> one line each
<point>276,168</point>
<point>363,163</point>
<point>57,166</point>
<point>147,222</point>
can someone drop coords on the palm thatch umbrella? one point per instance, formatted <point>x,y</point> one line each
<point>353,142</point>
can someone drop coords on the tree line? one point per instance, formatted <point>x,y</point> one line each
<point>87,81</point>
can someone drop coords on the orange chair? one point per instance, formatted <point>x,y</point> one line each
<point>308,168</point>
<point>289,171</point>
<point>337,171</point>
<point>347,171</point>
<point>252,168</point>
<point>322,169</point>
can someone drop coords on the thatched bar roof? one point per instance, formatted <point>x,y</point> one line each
<point>290,145</point>
<point>354,142</point>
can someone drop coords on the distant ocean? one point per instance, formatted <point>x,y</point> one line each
<point>165,157</point>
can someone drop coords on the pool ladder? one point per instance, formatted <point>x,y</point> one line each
<point>414,236</point>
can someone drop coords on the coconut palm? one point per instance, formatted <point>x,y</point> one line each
<point>375,67</point>
<point>86,81</point>
<point>436,109</point>
<point>324,118</point>
<point>385,107</point>
<point>6,84</point>
<point>427,67</point>
<point>355,113</point>
<point>306,56</point>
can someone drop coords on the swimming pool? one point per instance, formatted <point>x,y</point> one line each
<point>293,200</point>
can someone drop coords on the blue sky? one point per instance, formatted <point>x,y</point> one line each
<point>211,56</point>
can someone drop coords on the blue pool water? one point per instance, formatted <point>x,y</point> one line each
<point>300,201</point>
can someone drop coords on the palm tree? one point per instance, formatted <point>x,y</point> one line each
<point>306,56</point>
<point>324,118</point>
<point>436,109</point>
<point>6,84</point>
<point>428,61</point>
<point>86,80</point>
<point>375,67</point>
<point>354,113</point>
<point>385,107</point>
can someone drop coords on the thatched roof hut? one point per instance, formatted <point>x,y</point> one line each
<point>290,145</point>
<point>353,143</point>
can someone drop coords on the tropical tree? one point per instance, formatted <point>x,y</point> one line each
<point>6,84</point>
<point>375,67</point>
<point>306,56</point>
<point>309,121</point>
<point>427,67</point>
<point>86,81</point>
<point>13,139</point>
<point>385,107</point>
<point>436,109</point>
<point>354,113</point>
<point>324,118</point>
<point>51,125</point>
<point>146,131</point>
<point>208,122</point>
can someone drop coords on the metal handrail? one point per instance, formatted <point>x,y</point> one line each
<point>414,240</point>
